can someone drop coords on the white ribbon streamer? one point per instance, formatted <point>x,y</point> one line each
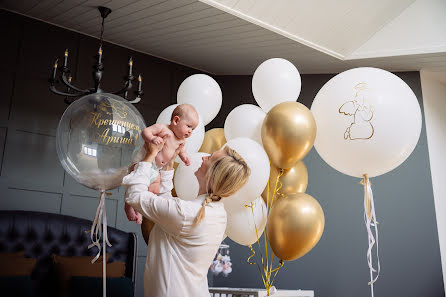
<point>371,223</point>
<point>96,233</point>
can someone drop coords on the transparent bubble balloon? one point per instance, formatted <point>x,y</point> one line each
<point>98,137</point>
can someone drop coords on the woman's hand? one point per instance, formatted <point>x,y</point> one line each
<point>169,165</point>
<point>152,150</point>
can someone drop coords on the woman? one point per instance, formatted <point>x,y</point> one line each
<point>187,234</point>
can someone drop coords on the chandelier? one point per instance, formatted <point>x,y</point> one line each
<point>71,91</point>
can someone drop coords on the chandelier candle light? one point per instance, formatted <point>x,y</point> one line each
<point>73,91</point>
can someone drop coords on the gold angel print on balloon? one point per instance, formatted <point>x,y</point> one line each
<point>361,113</point>
<point>113,108</point>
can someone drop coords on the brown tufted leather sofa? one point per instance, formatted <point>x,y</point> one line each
<point>41,234</point>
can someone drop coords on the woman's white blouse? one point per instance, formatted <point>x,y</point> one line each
<point>179,253</point>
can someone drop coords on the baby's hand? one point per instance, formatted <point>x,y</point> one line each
<point>186,160</point>
<point>157,140</point>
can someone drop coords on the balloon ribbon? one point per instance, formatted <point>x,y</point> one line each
<point>96,233</point>
<point>268,274</point>
<point>370,223</point>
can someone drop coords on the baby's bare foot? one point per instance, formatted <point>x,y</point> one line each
<point>130,213</point>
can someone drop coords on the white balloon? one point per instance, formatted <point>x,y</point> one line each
<point>243,222</point>
<point>245,121</point>
<point>275,81</point>
<point>368,121</point>
<point>194,142</point>
<point>185,181</point>
<point>204,93</point>
<point>258,162</point>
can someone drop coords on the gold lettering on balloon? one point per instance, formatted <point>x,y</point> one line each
<point>98,122</point>
<point>361,113</point>
<point>107,139</point>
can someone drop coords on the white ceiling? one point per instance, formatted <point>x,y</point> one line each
<point>334,27</point>
<point>229,37</point>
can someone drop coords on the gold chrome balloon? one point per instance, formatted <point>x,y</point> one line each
<point>288,133</point>
<point>213,140</point>
<point>293,180</point>
<point>295,225</point>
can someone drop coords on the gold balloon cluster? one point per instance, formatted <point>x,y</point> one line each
<point>295,219</point>
<point>214,139</point>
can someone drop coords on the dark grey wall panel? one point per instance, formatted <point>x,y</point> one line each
<point>18,199</point>
<point>85,207</point>
<point>34,108</point>
<point>6,85</point>
<point>11,30</point>
<point>31,158</point>
<point>3,132</point>
<point>41,44</point>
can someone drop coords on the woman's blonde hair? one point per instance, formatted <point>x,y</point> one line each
<point>224,177</point>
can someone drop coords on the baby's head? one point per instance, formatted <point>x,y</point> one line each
<point>184,120</point>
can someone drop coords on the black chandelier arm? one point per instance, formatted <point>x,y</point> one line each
<point>68,84</point>
<point>136,100</point>
<point>127,86</point>
<point>55,91</point>
<point>138,94</point>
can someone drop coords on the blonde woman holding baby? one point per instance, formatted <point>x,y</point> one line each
<point>187,234</point>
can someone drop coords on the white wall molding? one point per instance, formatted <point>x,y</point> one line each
<point>434,101</point>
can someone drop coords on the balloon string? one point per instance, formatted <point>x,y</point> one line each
<point>268,268</point>
<point>277,188</point>
<point>96,227</point>
<point>260,271</point>
<point>96,233</point>
<point>371,223</point>
<point>251,205</point>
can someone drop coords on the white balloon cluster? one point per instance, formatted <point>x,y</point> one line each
<point>275,81</point>
<point>368,122</point>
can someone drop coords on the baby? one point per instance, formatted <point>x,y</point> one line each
<point>183,121</point>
